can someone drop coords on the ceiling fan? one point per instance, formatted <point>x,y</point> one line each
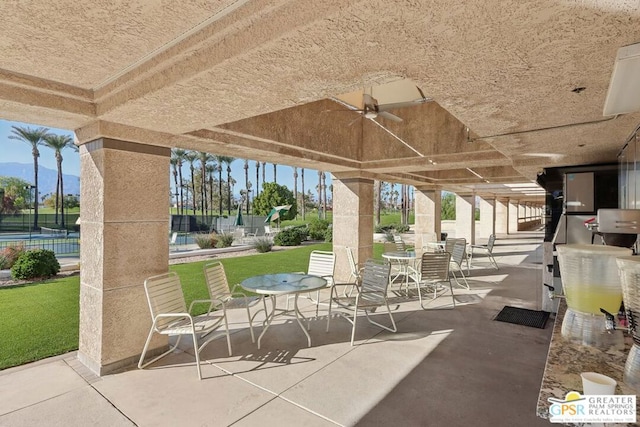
<point>371,109</point>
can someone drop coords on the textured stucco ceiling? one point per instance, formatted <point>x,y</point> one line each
<point>256,79</point>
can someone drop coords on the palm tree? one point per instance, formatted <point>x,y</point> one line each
<point>324,195</point>
<point>204,159</point>
<point>275,173</point>
<point>220,161</point>
<point>302,183</point>
<point>58,143</point>
<point>295,185</point>
<point>258,178</point>
<point>319,189</point>
<point>33,137</point>
<point>264,172</point>
<point>210,169</point>
<point>174,167</point>
<point>228,160</point>
<point>191,157</point>
<point>376,201</point>
<point>180,154</point>
<point>246,181</point>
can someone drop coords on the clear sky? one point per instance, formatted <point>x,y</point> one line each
<point>20,152</point>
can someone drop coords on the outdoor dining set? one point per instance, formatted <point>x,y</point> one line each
<point>403,270</point>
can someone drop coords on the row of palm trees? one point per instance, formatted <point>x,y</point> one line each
<point>37,137</point>
<point>202,167</point>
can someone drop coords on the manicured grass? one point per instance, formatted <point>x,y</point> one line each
<point>239,268</point>
<point>40,320</point>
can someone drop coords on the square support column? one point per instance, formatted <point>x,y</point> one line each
<point>352,222</point>
<point>502,216</point>
<point>514,215</point>
<point>124,239</point>
<point>487,224</point>
<point>428,214</point>
<point>465,218</point>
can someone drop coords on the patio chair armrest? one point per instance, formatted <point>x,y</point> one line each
<point>211,303</point>
<point>176,315</point>
<point>170,315</point>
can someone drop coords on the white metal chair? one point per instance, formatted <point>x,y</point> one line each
<point>434,270</point>
<point>321,264</point>
<point>371,295</point>
<point>448,247</point>
<point>400,245</point>
<point>458,254</point>
<point>488,248</point>
<point>268,232</point>
<point>355,277</point>
<point>169,316</point>
<point>229,299</point>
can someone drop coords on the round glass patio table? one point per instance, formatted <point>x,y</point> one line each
<point>273,285</point>
<point>405,262</point>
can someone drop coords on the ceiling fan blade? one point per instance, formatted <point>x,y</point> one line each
<point>385,107</point>
<point>389,116</point>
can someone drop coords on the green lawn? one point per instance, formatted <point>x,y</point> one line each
<point>41,319</point>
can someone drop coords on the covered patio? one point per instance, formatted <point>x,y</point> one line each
<point>506,89</point>
<point>442,367</point>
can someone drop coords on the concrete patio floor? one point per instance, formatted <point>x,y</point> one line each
<point>444,367</point>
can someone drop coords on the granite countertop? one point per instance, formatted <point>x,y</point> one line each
<point>566,360</point>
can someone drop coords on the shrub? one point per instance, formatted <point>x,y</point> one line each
<point>401,228</point>
<point>398,228</point>
<point>317,228</point>
<point>381,228</point>
<point>288,237</point>
<point>262,244</point>
<point>206,241</point>
<point>9,255</point>
<point>35,263</point>
<point>303,231</point>
<point>224,240</point>
<point>328,235</point>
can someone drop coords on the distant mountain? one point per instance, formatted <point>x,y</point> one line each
<point>46,177</point>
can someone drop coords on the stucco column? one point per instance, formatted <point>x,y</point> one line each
<point>352,222</point>
<point>428,214</point>
<point>502,216</point>
<point>124,239</point>
<point>487,224</point>
<point>514,214</point>
<point>465,218</point>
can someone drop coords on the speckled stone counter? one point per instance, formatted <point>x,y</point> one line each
<point>566,360</point>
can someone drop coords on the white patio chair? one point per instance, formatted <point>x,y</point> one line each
<point>488,248</point>
<point>458,254</point>
<point>321,264</point>
<point>355,276</point>
<point>371,295</point>
<point>434,270</point>
<point>169,316</point>
<point>229,299</point>
<point>268,232</point>
<point>448,247</point>
<point>400,245</point>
